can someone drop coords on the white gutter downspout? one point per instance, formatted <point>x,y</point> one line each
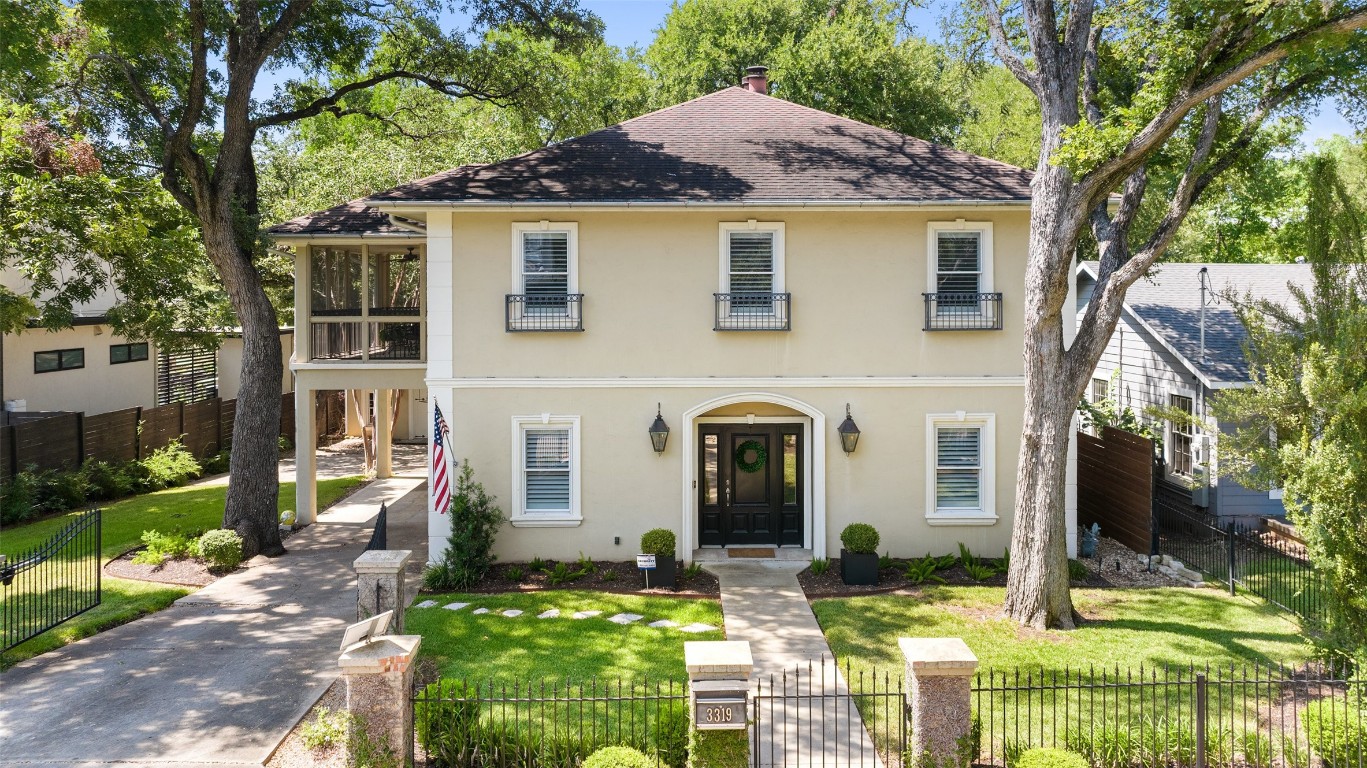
<point>406,224</point>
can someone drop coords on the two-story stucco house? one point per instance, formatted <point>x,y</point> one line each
<point>825,315</point>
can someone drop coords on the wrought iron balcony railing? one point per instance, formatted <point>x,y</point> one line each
<point>752,312</point>
<point>963,311</point>
<point>559,312</point>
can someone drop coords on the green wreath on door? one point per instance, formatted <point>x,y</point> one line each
<point>745,448</point>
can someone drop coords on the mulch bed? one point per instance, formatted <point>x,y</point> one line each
<point>186,573</point>
<point>624,578</point>
<point>893,579</point>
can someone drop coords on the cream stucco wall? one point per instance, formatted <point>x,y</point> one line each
<point>96,388</point>
<point>230,365</point>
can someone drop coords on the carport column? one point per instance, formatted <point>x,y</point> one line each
<point>379,685</point>
<point>380,584</point>
<point>938,684</point>
<point>384,433</point>
<point>305,457</point>
<point>718,703</point>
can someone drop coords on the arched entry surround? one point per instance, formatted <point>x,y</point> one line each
<point>814,527</point>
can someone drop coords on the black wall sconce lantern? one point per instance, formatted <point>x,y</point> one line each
<point>659,432</point>
<point>849,432</point>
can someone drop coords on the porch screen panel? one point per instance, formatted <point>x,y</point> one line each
<point>750,257</point>
<point>546,270</point>
<point>958,262</point>
<point>547,470</point>
<point>958,468</point>
<point>335,281</point>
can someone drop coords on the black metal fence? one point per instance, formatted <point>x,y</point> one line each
<point>1260,561</point>
<point>752,312</point>
<point>379,537</point>
<point>828,715</point>
<point>1255,717</point>
<point>963,311</point>
<point>463,724</point>
<point>52,582</point>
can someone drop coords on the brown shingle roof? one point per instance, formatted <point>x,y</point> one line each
<point>730,146</point>
<point>353,218</point>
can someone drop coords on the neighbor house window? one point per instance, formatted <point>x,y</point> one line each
<point>58,360</point>
<point>1101,390</point>
<point>545,295</point>
<point>546,471</point>
<point>1181,460</point>
<point>751,291</point>
<point>127,353</point>
<point>960,488</point>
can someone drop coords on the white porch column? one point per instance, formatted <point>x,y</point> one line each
<point>305,457</point>
<point>440,352</point>
<point>384,434</point>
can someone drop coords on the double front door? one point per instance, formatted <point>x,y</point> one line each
<point>750,484</point>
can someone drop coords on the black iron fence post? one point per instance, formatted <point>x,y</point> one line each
<point>1229,537</point>
<point>1200,725</point>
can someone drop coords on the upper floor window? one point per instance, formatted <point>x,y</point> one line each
<point>960,293</point>
<point>751,291</point>
<point>365,302</point>
<point>127,353</point>
<point>1101,389</point>
<point>58,360</point>
<point>545,295</point>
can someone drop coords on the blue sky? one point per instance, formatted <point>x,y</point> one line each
<point>633,22</point>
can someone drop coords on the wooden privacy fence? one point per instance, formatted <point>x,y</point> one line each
<point>1115,486</point>
<point>65,441</point>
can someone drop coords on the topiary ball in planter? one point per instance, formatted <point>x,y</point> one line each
<point>660,542</point>
<point>859,555</point>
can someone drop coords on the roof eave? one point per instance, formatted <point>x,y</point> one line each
<point>387,204</point>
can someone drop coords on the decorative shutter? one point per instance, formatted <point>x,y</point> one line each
<point>752,262</point>
<point>958,262</point>
<point>187,377</point>
<point>547,457</point>
<point>545,263</point>
<point>958,453</point>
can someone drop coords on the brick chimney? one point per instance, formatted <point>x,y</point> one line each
<point>756,79</point>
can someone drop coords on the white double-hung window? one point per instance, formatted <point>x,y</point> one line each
<point>545,293</point>
<point>961,460</point>
<point>546,471</point>
<point>751,291</point>
<point>959,283</point>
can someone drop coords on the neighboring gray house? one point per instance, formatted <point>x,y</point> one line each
<point>1155,358</point>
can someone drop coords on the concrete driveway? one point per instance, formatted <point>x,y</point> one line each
<point>219,678</point>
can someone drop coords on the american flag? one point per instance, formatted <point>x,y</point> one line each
<point>441,483</point>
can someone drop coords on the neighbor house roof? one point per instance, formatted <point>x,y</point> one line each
<point>732,146</point>
<point>1168,302</point>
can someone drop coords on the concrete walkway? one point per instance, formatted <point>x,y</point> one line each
<point>805,714</point>
<point>221,677</point>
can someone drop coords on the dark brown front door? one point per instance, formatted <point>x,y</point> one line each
<point>750,484</point>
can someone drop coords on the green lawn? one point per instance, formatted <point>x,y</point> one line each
<point>526,648</point>
<point>189,508</point>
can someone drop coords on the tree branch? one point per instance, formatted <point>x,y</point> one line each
<point>280,29</point>
<point>329,103</point>
<point>1002,47</point>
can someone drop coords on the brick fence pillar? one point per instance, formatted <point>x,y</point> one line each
<point>938,682</point>
<point>380,584</point>
<point>718,698</point>
<point>379,690</point>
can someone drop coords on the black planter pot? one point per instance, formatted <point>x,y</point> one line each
<point>665,573</point>
<point>858,569</point>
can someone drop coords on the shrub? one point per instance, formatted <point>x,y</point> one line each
<point>221,549</point>
<point>618,757</point>
<point>1050,758</point>
<point>820,565</point>
<point>884,561</point>
<point>1337,734</point>
<point>980,571</point>
<point>328,729</point>
<point>693,570</point>
<point>54,491</point>
<point>163,546</point>
<point>105,481</point>
<point>16,499</point>
<point>607,575</point>
<point>561,574</point>
<point>514,573</point>
<point>921,571</point>
<point>469,549</point>
<point>1076,571</point>
<point>216,464</point>
<point>658,541</point>
<point>171,466</point>
<point>860,538</point>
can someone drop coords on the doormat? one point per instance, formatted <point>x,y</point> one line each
<point>760,552</point>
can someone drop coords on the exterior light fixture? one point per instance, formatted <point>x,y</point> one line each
<point>659,431</point>
<point>849,432</point>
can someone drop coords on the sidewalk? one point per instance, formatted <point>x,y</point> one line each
<point>220,677</point>
<point>763,604</point>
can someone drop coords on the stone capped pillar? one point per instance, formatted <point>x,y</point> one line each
<point>379,685</point>
<point>380,584</point>
<point>939,678</point>
<point>718,669</point>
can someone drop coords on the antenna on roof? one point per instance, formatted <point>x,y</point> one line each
<point>1204,277</point>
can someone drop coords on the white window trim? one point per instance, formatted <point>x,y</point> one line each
<point>724,230</point>
<point>1103,375</point>
<point>933,230</point>
<point>521,518</point>
<point>569,227</point>
<point>1196,459</point>
<point>987,513</point>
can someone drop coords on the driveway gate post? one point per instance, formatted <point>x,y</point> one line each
<point>938,684</point>
<point>718,703</point>
<point>379,690</point>
<point>380,584</point>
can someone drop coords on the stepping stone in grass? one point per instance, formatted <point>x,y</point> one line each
<point>478,611</point>
<point>694,629</point>
<point>625,618</point>
<point>586,614</point>
<point>665,623</point>
<point>453,606</point>
<point>512,612</point>
<point>551,614</point>
<point>427,604</point>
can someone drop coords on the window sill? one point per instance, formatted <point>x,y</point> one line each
<point>545,521</point>
<point>975,517</point>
